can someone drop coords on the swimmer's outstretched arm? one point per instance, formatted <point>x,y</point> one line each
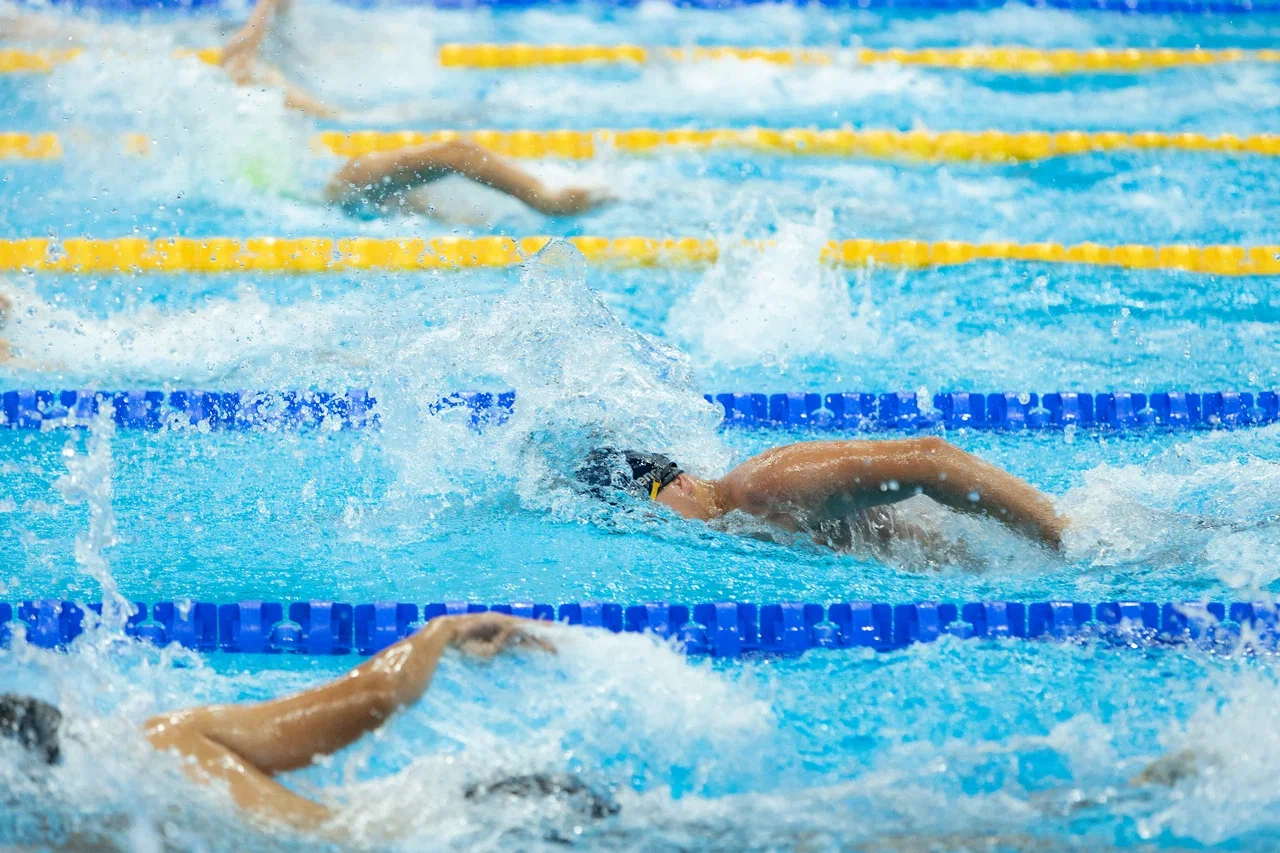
<point>242,63</point>
<point>245,745</point>
<point>385,177</point>
<point>244,45</point>
<point>833,479</point>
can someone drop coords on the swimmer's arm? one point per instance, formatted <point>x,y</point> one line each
<point>832,479</point>
<point>245,43</point>
<point>299,99</point>
<point>246,745</point>
<point>240,61</point>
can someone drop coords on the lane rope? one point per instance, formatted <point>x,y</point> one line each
<point>1011,58</point>
<point>988,146</point>
<point>720,628</point>
<point>1009,411</point>
<point>962,145</point>
<point>137,255</point>
<point>1025,60</point>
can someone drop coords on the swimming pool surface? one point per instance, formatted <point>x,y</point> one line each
<point>953,746</point>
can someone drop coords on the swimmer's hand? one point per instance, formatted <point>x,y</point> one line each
<point>484,635</point>
<point>571,200</point>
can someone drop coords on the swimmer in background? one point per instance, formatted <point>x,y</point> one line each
<point>385,182</point>
<point>246,746</point>
<point>838,492</point>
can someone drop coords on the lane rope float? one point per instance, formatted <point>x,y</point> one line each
<point>907,411</point>
<point>951,145</point>
<point>986,146</point>
<point>718,628</point>
<point>137,255</point>
<point>1009,58</point>
<point>1025,60</point>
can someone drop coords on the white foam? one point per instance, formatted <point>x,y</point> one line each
<point>210,138</point>
<point>1233,741</point>
<point>243,339</point>
<point>1203,500</point>
<point>773,307</point>
<point>583,377</point>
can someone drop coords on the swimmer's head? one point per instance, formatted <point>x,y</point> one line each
<point>634,472</point>
<point>33,724</point>
<point>578,798</point>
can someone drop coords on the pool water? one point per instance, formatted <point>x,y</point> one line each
<point>970,745</point>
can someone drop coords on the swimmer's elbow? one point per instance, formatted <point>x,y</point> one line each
<point>932,445</point>
<point>378,694</point>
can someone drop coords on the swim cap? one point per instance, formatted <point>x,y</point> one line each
<point>632,471</point>
<point>32,723</point>
<point>571,791</point>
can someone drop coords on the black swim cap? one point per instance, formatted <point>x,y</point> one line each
<point>32,723</point>
<point>579,797</point>
<point>632,471</point>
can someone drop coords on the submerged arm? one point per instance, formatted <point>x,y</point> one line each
<point>820,480</point>
<point>245,745</point>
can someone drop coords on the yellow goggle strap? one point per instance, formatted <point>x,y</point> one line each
<point>653,490</point>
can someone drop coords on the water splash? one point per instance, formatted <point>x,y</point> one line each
<point>88,481</point>
<point>241,340</point>
<point>584,379</point>
<point>771,308</point>
<point>1208,500</point>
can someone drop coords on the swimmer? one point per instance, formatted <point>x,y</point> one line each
<point>833,490</point>
<point>386,182</point>
<point>240,59</point>
<point>246,746</point>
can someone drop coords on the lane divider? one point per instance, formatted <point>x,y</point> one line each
<point>1025,60</point>
<point>1017,59</point>
<point>987,146</point>
<point>18,61</point>
<point>16,145</point>
<point>146,409</point>
<point>950,145</point>
<point>721,628</point>
<point>135,255</point>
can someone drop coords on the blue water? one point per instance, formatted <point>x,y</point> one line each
<point>955,746</point>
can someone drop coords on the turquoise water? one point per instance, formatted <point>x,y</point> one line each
<point>954,746</point>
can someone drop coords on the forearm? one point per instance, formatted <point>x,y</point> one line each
<point>968,484</point>
<point>405,669</point>
<point>821,480</point>
<point>250,36</point>
<point>288,733</point>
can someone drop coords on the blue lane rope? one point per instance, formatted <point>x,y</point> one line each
<point>355,409</point>
<point>721,629</point>
<point>1158,7</point>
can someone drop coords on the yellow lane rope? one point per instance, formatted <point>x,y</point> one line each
<point>1026,60</point>
<point>13,61</point>
<point>30,146</point>
<point>948,145</point>
<point>989,145</point>
<point>325,254</point>
<point>18,61</point>
<point>1023,60</point>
